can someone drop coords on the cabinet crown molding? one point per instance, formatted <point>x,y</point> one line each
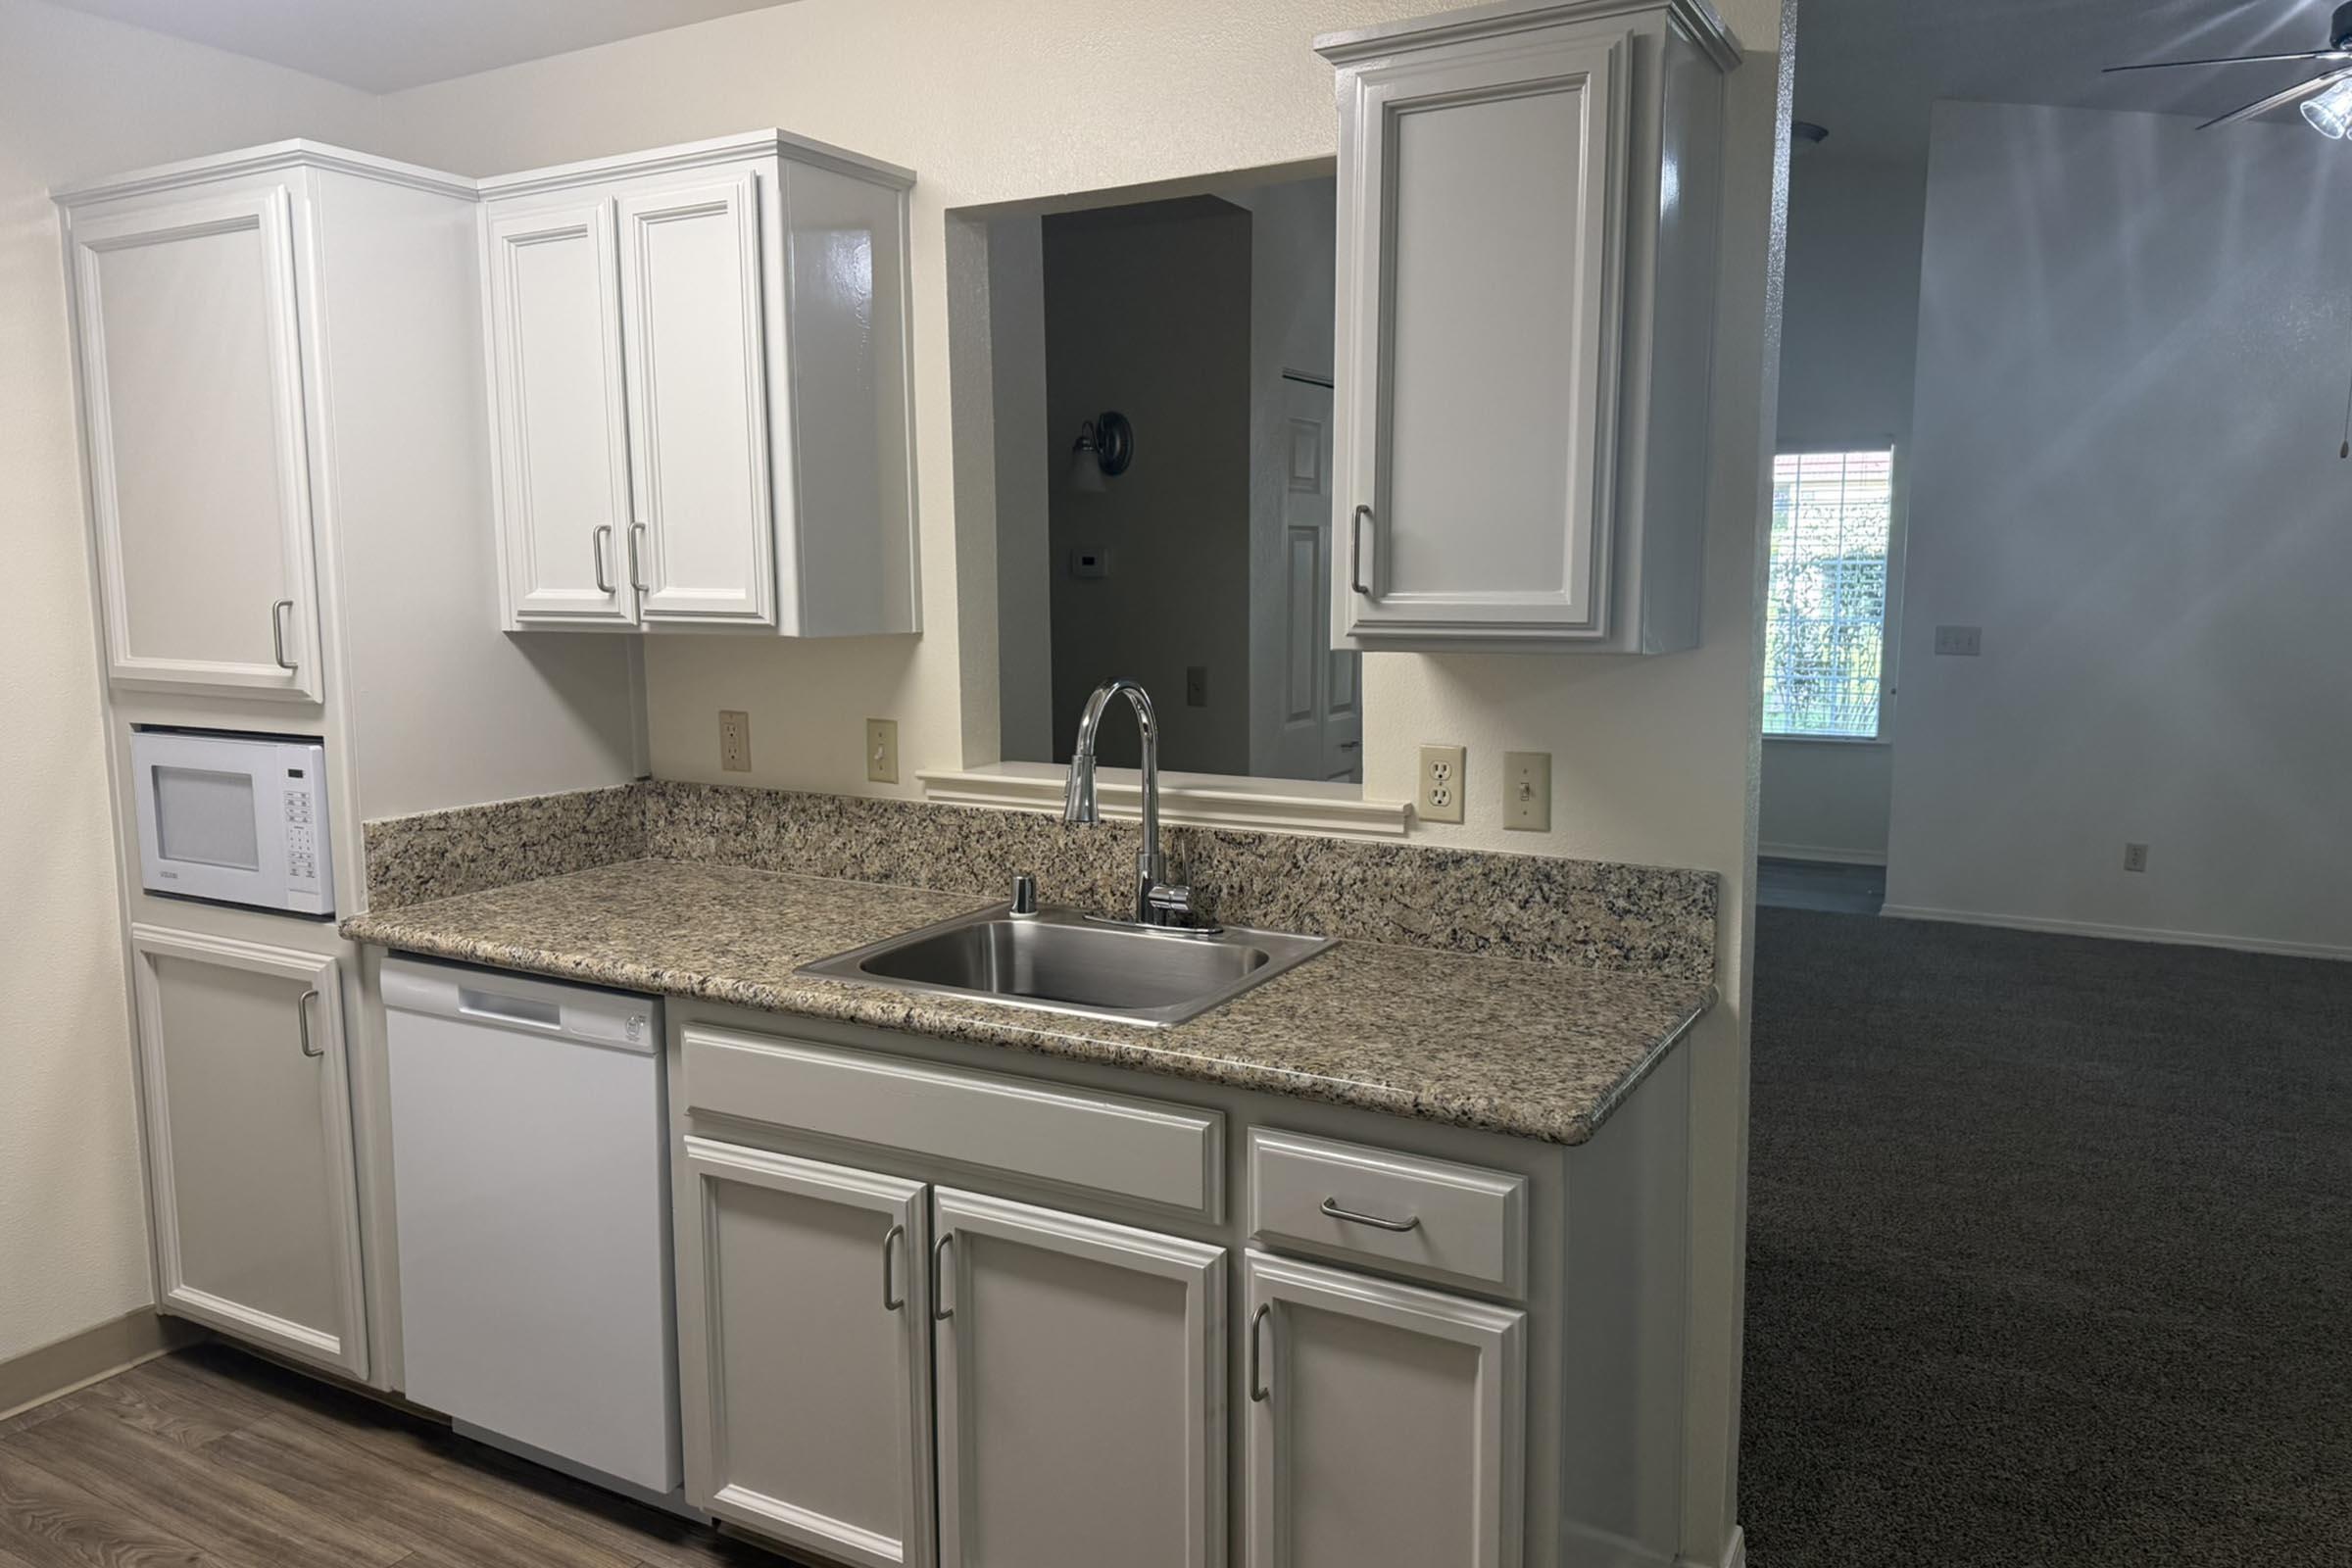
<point>295,154</point>
<point>696,154</point>
<point>1696,17</point>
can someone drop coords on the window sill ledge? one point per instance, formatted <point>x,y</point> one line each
<point>1186,800</point>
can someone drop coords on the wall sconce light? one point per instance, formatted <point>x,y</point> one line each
<point>1105,445</point>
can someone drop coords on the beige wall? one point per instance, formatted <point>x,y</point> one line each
<point>79,97</point>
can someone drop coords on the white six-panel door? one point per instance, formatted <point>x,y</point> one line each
<point>562,460</point>
<point>805,1332</point>
<point>1081,1391</point>
<point>1386,1423</point>
<point>248,1104</point>
<point>703,530</point>
<point>1479,226</point>
<point>191,384</point>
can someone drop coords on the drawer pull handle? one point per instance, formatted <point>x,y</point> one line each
<point>940,1310</point>
<point>1331,1207</point>
<point>1257,1389</point>
<point>890,1240</point>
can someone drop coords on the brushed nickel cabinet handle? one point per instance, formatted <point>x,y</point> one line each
<point>302,1017</point>
<point>277,632</point>
<point>1331,1207</point>
<point>890,1240</point>
<point>1356,549</point>
<point>598,543</point>
<point>636,568</point>
<point>1258,1392</point>
<point>940,1311</point>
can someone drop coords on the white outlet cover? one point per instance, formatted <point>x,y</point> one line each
<point>1439,798</point>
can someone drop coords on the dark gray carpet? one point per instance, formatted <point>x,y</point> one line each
<point>2049,1251</point>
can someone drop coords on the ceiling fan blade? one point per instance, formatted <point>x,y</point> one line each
<point>2280,100</point>
<point>2231,59</point>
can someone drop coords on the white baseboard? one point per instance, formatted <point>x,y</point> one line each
<point>2117,933</point>
<point>80,1360</point>
<point>1735,1553</point>
<point>1820,852</point>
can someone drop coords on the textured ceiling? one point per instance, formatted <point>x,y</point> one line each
<point>1869,68</point>
<point>386,45</point>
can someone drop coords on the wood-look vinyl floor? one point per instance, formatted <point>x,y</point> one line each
<point>209,1459</point>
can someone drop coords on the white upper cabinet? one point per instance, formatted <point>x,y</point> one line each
<point>699,391</point>
<point>1525,305</point>
<point>192,404</point>
<point>702,525</point>
<point>556,387</point>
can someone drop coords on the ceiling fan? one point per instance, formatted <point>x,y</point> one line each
<point>2326,99</point>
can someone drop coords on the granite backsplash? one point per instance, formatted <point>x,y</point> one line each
<point>1531,907</point>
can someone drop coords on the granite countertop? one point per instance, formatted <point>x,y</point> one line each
<point>1541,1051</point>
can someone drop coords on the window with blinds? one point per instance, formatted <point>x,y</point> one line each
<point>1825,627</point>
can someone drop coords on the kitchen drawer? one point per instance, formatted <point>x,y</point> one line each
<point>1169,1157</point>
<point>1453,1224</point>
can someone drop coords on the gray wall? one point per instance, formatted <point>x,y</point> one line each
<point>1147,311</point>
<point>2132,347</point>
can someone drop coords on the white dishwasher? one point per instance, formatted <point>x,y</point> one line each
<point>530,1150</point>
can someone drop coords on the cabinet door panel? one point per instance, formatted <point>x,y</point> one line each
<point>1391,1431</point>
<point>555,383</point>
<point>697,402</point>
<point>248,1102</point>
<point>1480,244</point>
<point>191,383</point>
<point>1081,1400</point>
<point>806,1374</point>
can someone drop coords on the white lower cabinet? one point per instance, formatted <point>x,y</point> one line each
<point>248,1104</point>
<point>1387,1423</point>
<point>1081,1391</point>
<point>807,1373</point>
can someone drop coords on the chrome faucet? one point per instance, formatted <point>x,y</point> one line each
<point>1155,901</point>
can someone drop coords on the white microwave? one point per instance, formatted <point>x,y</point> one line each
<point>235,819</point>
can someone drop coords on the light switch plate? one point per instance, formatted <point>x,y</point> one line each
<point>734,741</point>
<point>1966,642</point>
<point>1440,794</point>
<point>1527,792</point>
<point>881,751</point>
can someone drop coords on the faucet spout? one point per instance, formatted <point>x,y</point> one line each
<point>1156,903</point>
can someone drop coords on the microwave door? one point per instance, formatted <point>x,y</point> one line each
<point>210,820</point>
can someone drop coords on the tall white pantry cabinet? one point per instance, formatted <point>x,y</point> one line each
<point>279,377</point>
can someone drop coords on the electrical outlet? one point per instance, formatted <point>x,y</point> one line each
<point>1967,642</point>
<point>2135,857</point>
<point>734,741</point>
<point>881,751</point>
<point>1441,798</point>
<point>1527,792</point>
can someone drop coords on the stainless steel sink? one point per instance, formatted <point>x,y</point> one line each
<point>1059,960</point>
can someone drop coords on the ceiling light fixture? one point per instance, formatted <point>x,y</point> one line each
<point>2330,112</point>
<point>2310,93</point>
